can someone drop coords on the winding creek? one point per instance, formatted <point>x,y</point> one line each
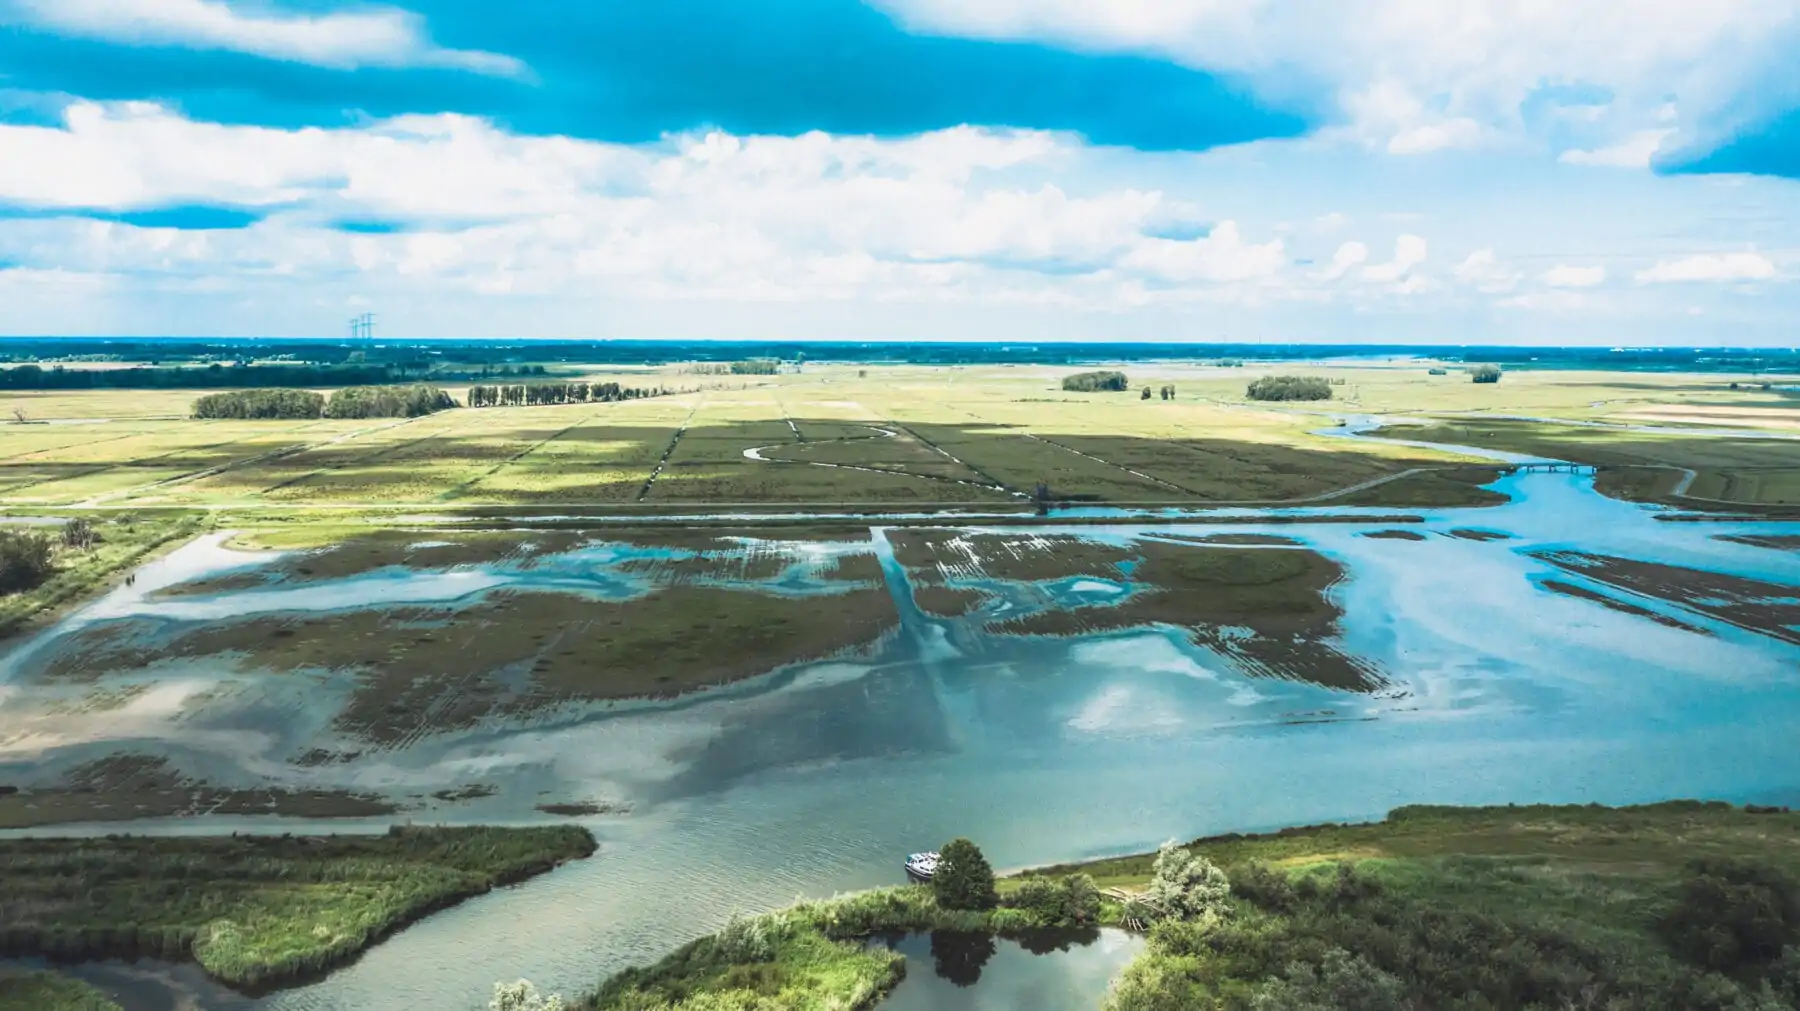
<point>817,778</point>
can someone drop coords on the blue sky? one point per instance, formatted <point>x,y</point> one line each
<point>1605,171</point>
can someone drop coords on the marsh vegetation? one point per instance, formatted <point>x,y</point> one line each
<point>254,911</point>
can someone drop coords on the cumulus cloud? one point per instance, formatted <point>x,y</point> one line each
<point>1348,257</point>
<point>1635,151</point>
<point>934,216</point>
<point>1564,276</point>
<point>1422,75</point>
<point>1483,271</point>
<point>363,37</point>
<point>1710,267</point>
<point>1409,252</point>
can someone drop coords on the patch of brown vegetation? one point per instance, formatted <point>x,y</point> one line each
<point>580,809</point>
<point>1472,534</point>
<point>387,549</point>
<point>944,602</point>
<point>1622,606</point>
<point>1450,488</point>
<point>1393,535</point>
<point>1262,540</point>
<point>931,554</point>
<point>861,567</point>
<point>426,669</point>
<point>1774,542</point>
<point>1217,593</point>
<point>130,787</point>
<point>1771,609</point>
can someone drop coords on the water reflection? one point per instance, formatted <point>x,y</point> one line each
<point>818,778</point>
<point>1039,971</point>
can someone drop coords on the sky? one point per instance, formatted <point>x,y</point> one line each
<point>1479,171</point>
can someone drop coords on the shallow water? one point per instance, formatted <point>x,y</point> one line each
<point>947,971</point>
<point>819,778</point>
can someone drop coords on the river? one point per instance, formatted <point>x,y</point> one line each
<point>817,779</point>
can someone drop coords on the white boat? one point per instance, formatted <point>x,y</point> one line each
<point>922,865</point>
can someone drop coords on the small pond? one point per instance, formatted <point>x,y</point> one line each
<point>949,970</point>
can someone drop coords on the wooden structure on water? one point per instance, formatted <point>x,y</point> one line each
<point>1552,467</point>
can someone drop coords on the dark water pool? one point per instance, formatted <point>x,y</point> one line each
<point>951,970</point>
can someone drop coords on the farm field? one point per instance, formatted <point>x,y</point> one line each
<point>861,436</point>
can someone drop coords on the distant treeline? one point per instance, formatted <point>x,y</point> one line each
<point>36,377</point>
<point>261,404</point>
<point>747,367</point>
<point>1091,382</point>
<point>1290,388</point>
<point>388,402</point>
<point>533,394</point>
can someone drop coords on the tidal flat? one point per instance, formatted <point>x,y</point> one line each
<point>991,714</point>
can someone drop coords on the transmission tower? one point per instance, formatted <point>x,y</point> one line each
<point>363,327</point>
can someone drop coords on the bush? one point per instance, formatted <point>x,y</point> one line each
<point>1095,382</point>
<point>1734,913</point>
<point>1341,982</point>
<point>1187,886</point>
<point>749,939</point>
<point>1264,887</point>
<point>79,533</point>
<point>387,402</point>
<point>522,996</point>
<point>1485,373</point>
<point>963,879</point>
<point>1072,902</point>
<point>1290,388</point>
<point>25,559</point>
<point>261,404</point>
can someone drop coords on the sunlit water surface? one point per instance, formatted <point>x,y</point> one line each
<point>817,779</point>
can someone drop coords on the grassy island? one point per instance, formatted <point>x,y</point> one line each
<point>254,912</point>
<point>48,991</point>
<point>1683,904</point>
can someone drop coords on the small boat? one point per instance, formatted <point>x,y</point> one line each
<point>922,866</point>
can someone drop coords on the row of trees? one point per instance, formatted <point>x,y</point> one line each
<point>1290,388</point>
<point>261,404</point>
<point>747,367</point>
<point>533,394</point>
<point>36,377</point>
<point>1096,382</point>
<point>388,402</point>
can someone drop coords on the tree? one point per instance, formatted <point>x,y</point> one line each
<point>1289,388</point>
<point>79,533</point>
<point>1095,382</point>
<point>1188,886</point>
<point>1486,372</point>
<point>963,879</point>
<point>522,996</point>
<point>1733,913</point>
<point>1146,395</point>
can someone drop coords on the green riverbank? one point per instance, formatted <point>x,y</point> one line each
<point>1684,904</point>
<point>254,912</point>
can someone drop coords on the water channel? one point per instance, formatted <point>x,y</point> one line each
<point>816,779</point>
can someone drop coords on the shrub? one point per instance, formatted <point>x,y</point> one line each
<point>1485,373</point>
<point>1186,885</point>
<point>1094,382</point>
<point>963,879</point>
<point>749,939</point>
<point>79,533</point>
<point>1264,887</point>
<point>1734,913</point>
<point>522,996</point>
<point>25,559</point>
<point>1341,982</point>
<point>1290,388</point>
<point>1072,902</point>
<point>261,404</point>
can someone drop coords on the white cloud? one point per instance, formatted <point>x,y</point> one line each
<point>1348,257</point>
<point>1409,252</point>
<point>1710,267</point>
<point>703,216</point>
<point>1547,301</point>
<point>1564,276</point>
<point>364,37</point>
<point>1635,151</point>
<point>1222,255</point>
<point>1421,75</point>
<point>1484,271</point>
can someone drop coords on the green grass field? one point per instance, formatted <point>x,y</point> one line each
<point>866,436</point>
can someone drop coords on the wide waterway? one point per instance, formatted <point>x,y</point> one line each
<point>818,778</point>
